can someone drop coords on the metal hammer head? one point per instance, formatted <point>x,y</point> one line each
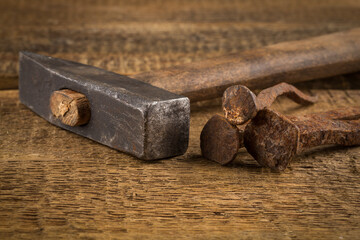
<point>126,114</point>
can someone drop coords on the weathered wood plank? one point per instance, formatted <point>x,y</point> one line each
<point>55,184</point>
<point>134,36</point>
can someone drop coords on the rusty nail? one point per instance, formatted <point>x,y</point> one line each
<point>273,139</point>
<point>240,104</point>
<point>220,141</point>
<point>222,138</point>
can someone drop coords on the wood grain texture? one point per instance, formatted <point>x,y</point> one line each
<point>134,36</point>
<point>55,184</point>
<point>72,108</point>
<point>294,61</point>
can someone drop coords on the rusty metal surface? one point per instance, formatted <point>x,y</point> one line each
<point>289,61</point>
<point>126,114</point>
<point>219,140</point>
<point>240,104</point>
<point>273,139</point>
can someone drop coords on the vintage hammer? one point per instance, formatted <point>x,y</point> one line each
<point>145,115</point>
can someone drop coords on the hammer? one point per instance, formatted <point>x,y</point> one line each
<point>148,115</point>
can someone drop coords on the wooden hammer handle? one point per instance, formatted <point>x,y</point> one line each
<point>290,62</point>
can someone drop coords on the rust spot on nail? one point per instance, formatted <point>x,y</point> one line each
<point>273,139</point>
<point>240,104</point>
<point>220,141</point>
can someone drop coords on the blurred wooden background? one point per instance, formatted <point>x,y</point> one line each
<point>55,184</point>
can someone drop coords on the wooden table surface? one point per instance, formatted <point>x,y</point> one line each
<point>57,185</point>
